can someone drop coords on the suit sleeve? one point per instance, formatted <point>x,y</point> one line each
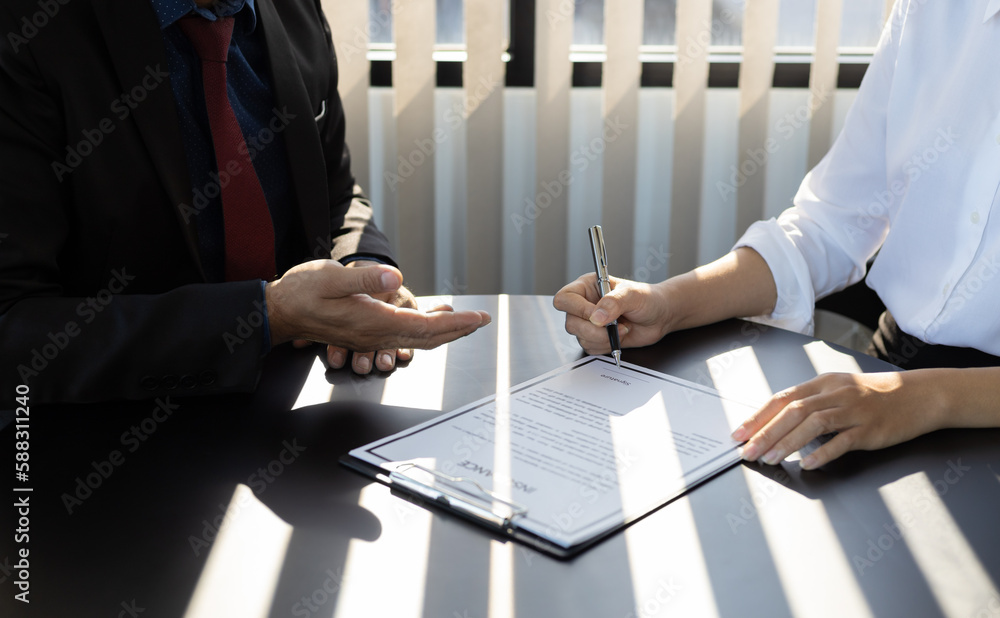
<point>73,340</point>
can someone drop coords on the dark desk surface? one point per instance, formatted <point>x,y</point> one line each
<point>236,506</point>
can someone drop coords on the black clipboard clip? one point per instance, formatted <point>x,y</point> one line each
<point>479,508</point>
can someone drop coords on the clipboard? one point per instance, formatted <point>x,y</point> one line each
<point>415,463</point>
<point>476,510</point>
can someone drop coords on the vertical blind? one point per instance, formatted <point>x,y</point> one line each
<point>459,215</point>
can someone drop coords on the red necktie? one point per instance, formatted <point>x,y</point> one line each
<point>249,232</point>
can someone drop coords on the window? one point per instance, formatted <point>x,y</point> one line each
<point>861,24</point>
<point>450,22</point>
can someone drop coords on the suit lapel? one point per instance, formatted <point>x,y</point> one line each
<point>302,141</point>
<point>133,38</point>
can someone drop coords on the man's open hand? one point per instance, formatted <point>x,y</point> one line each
<point>364,309</point>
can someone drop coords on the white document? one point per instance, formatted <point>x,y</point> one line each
<point>570,455</point>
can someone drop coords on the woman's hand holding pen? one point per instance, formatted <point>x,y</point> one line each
<point>642,311</point>
<point>737,284</point>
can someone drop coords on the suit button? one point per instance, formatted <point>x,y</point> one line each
<point>207,378</point>
<point>169,382</point>
<point>188,381</point>
<point>148,383</point>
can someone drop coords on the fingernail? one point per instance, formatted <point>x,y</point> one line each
<point>772,457</point>
<point>808,462</point>
<point>363,364</point>
<point>599,317</point>
<point>386,361</point>
<point>389,280</point>
<point>337,360</point>
<point>740,434</point>
<point>750,452</point>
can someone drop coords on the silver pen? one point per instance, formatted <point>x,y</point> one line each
<point>604,286</point>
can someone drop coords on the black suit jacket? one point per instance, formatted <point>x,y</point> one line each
<point>102,293</point>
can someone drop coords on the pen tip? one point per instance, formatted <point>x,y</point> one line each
<point>618,357</point>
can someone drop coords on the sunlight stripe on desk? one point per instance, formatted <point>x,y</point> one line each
<point>560,341</point>
<point>647,431</point>
<point>244,564</point>
<point>501,592</point>
<point>501,427</point>
<point>316,388</point>
<point>825,359</point>
<point>737,375</point>
<point>656,592</point>
<point>797,538</point>
<point>955,575</point>
<point>420,384</point>
<point>395,567</point>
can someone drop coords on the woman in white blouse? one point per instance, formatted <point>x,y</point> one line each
<point>914,176</point>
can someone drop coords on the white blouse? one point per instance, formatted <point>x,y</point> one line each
<point>915,172</point>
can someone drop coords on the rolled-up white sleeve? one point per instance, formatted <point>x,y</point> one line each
<point>823,242</point>
<point>794,309</point>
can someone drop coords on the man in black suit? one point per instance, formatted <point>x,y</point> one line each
<point>118,273</point>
